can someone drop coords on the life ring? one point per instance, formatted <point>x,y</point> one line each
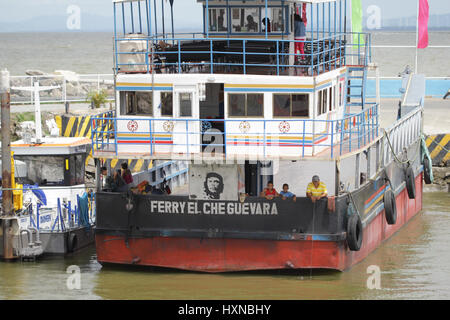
<point>427,169</point>
<point>390,207</point>
<point>354,232</point>
<point>72,242</point>
<point>410,183</point>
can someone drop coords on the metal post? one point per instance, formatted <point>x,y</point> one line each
<point>267,18</point>
<point>156,20</point>
<point>37,112</point>
<point>171,18</point>
<point>7,203</point>
<point>207,19</point>
<point>163,18</point>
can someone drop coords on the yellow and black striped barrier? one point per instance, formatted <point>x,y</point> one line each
<point>80,126</point>
<point>439,148</point>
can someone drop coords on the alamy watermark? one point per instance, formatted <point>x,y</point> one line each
<point>73,281</point>
<point>374,280</point>
<point>74,17</point>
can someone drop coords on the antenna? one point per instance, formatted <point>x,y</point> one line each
<point>37,105</point>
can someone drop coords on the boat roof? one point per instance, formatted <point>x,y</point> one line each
<point>52,146</point>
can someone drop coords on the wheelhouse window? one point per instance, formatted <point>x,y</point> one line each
<point>331,100</point>
<point>245,19</point>
<point>218,21</point>
<point>186,104</point>
<point>245,105</point>
<point>322,105</point>
<point>166,104</point>
<point>136,103</point>
<point>248,19</point>
<point>291,105</point>
<point>276,17</point>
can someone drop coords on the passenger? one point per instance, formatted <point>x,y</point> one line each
<point>316,189</point>
<point>108,181</point>
<point>299,35</point>
<point>119,182</point>
<point>220,22</point>
<point>126,174</point>
<point>269,193</point>
<point>287,194</point>
<point>268,24</point>
<point>251,24</point>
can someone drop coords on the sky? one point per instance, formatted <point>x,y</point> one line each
<point>186,12</point>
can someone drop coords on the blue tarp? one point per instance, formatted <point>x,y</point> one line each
<point>83,209</point>
<point>37,192</point>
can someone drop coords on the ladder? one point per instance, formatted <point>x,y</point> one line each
<point>356,90</point>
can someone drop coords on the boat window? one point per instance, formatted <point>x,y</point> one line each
<point>166,104</point>
<point>322,102</point>
<point>245,19</point>
<point>330,99</point>
<point>218,21</point>
<point>186,104</point>
<point>76,165</point>
<point>277,21</point>
<point>136,103</point>
<point>144,103</point>
<point>300,105</point>
<point>291,105</point>
<point>245,105</point>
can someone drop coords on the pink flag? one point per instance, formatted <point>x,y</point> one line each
<point>423,24</point>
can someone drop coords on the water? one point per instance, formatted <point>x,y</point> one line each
<point>414,263</point>
<point>92,52</point>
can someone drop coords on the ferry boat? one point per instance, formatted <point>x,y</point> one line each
<point>244,105</point>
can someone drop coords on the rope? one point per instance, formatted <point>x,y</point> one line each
<point>312,240</point>
<point>407,161</point>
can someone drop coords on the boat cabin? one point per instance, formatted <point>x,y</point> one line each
<point>56,166</point>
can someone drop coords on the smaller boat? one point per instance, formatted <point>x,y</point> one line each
<point>56,206</point>
<point>54,213</point>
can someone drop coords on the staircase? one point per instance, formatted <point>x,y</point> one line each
<point>356,90</point>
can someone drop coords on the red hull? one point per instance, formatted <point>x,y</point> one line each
<point>222,255</point>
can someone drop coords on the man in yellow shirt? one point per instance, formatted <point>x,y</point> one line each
<point>316,189</point>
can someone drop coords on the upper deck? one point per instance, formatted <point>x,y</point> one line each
<point>235,39</point>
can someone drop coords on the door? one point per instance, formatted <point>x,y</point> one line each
<point>186,131</point>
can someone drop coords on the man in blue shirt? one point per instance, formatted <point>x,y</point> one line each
<point>287,194</point>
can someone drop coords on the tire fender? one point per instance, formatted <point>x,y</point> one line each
<point>427,169</point>
<point>410,183</point>
<point>354,232</point>
<point>390,207</point>
<point>72,242</point>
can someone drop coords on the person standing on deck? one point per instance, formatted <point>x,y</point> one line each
<point>316,189</point>
<point>107,181</point>
<point>266,23</point>
<point>126,174</point>
<point>300,36</point>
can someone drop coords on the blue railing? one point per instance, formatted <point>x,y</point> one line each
<point>240,55</point>
<point>338,136</point>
